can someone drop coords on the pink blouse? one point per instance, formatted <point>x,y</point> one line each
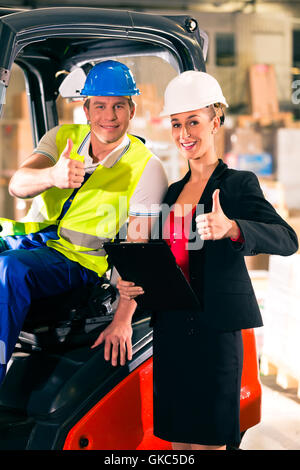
<point>176,233</point>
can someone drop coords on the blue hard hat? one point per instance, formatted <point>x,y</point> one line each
<point>110,78</point>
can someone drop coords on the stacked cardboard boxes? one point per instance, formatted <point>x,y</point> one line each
<point>148,103</point>
<point>267,142</point>
<point>16,146</point>
<point>246,150</point>
<point>264,98</point>
<point>288,164</point>
<point>263,89</point>
<point>68,110</point>
<point>282,320</point>
<point>20,107</point>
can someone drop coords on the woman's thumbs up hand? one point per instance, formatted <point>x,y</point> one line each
<point>216,206</point>
<point>215,225</point>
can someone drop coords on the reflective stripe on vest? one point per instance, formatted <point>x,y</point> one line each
<point>83,239</point>
<point>98,252</point>
<point>12,227</point>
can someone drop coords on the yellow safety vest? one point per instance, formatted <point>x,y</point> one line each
<point>100,207</point>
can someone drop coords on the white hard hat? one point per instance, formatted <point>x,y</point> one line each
<point>72,84</point>
<point>191,90</point>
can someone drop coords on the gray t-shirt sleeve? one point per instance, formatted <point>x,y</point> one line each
<point>150,190</point>
<point>47,145</point>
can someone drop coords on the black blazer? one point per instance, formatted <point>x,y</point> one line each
<point>218,273</point>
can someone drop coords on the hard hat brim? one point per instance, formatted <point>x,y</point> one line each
<point>86,93</point>
<point>184,109</point>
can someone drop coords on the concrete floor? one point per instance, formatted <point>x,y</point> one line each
<point>279,428</point>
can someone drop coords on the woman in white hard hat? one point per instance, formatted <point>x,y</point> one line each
<point>198,355</point>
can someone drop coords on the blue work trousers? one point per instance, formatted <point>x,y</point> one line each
<point>30,270</point>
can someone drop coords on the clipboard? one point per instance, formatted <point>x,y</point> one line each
<point>153,266</point>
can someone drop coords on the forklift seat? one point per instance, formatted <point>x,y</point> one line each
<point>68,318</point>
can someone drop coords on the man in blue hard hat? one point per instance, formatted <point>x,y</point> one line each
<point>108,116</point>
<point>86,180</point>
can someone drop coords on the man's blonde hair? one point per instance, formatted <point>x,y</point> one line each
<point>131,103</point>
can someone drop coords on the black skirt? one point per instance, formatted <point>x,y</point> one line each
<point>196,380</point>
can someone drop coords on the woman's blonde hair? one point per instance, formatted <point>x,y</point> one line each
<point>218,110</point>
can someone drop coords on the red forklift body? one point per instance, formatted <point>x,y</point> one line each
<point>111,425</point>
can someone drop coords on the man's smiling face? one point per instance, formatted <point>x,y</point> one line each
<point>109,117</point>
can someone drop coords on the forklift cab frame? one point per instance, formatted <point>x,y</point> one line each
<point>58,393</point>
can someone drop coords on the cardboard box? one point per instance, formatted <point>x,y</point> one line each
<point>246,151</point>
<point>20,106</point>
<point>294,125</point>
<point>257,262</point>
<point>15,146</point>
<point>274,193</point>
<point>263,90</point>
<point>148,103</point>
<point>284,119</point>
<point>15,143</point>
<point>245,141</point>
<point>66,109</point>
<point>6,201</point>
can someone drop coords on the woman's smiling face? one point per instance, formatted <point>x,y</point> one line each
<point>193,132</point>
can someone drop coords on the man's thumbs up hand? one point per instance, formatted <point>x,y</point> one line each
<point>214,225</point>
<point>67,173</point>
<point>68,148</point>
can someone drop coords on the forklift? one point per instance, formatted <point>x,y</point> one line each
<point>59,394</point>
